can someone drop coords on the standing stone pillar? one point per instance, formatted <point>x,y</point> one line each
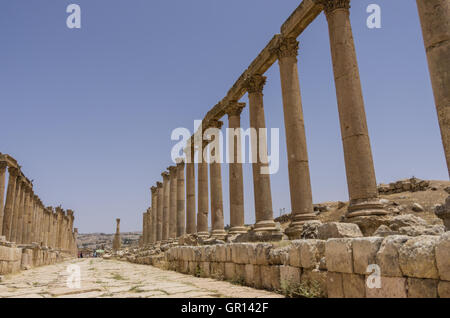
<point>9,202</point>
<point>299,179</point>
<point>166,204</point>
<point>160,212</point>
<point>203,201</point>
<point>144,228</point>
<point>236,181</point>
<point>154,214</point>
<point>75,245</point>
<point>60,216</point>
<point>117,241</point>
<point>215,171</point>
<point>181,226</point>
<point>191,227</point>
<point>55,230</point>
<point>3,166</point>
<point>26,216</point>
<point>41,222</point>
<point>22,213</point>
<point>173,203</point>
<point>362,186</point>
<point>29,224</point>
<point>17,201</point>
<point>435,21</point>
<point>34,223</point>
<point>261,181</point>
<point>70,227</point>
<point>46,227</point>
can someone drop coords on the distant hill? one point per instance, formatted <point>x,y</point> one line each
<point>103,240</point>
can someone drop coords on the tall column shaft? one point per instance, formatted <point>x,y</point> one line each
<point>22,214</point>
<point>236,179</point>
<point>435,21</point>
<point>261,181</point>
<point>215,171</point>
<point>181,227</point>
<point>166,205</point>
<point>173,203</point>
<point>191,227</point>
<point>144,228</point>
<point>16,212</point>
<point>2,192</point>
<point>359,166</point>
<point>29,220</point>
<point>202,216</point>
<point>159,229</point>
<point>299,178</point>
<point>154,214</point>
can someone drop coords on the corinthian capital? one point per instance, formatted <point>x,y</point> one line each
<point>286,47</point>
<point>331,5</point>
<point>234,108</point>
<point>255,83</point>
<point>13,171</point>
<point>3,165</point>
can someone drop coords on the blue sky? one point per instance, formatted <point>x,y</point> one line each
<point>88,113</point>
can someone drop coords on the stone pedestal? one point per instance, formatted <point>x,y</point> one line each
<point>359,166</point>
<point>236,180</point>
<point>215,171</point>
<point>180,199</point>
<point>298,166</point>
<point>261,181</point>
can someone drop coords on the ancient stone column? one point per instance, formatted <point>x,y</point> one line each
<point>29,221</point>
<point>173,203</point>
<point>17,207</point>
<point>299,179</point>
<point>71,218</point>
<point>236,182</point>
<point>435,21</point>
<point>154,214</point>
<point>47,228</point>
<point>159,229</point>
<point>117,241</point>
<point>75,237</point>
<point>9,202</point>
<point>60,217</point>
<point>34,219</point>
<point>181,226</point>
<point>55,230</point>
<point>215,171</point>
<point>3,166</point>
<point>191,227</point>
<point>203,201</point>
<point>166,206</point>
<point>24,225</point>
<point>144,228</point>
<point>22,213</point>
<point>359,166</point>
<point>261,181</point>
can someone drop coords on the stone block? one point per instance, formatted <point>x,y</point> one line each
<point>316,279</point>
<point>338,230</point>
<point>294,253</point>
<point>220,254</point>
<point>270,277</point>
<point>311,251</point>
<point>334,285</point>
<point>417,257</point>
<point>229,252</point>
<point>253,275</point>
<point>443,256</point>
<point>205,269</point>
<point>354,285</point>
<point>444,289</point>
<point>388,256</point>
<point>338,253</point>
<point>422,288</point>
<point>218,270</point>
<point>279,256</point>
<point>239,253</point>
<point>262,252</point>
<point>290,274</point>
<point>365,251</point>
<point>239,273</point>
<point>230,271</point>
<point>391,287</point>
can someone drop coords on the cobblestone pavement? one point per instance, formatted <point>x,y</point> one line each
<point>111,278</point>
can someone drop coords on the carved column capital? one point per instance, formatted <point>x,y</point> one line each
<point>331,5</point>
<point>13,171</point>
<point>234,108</point>
<point>165,175</point>
<point>172,170</point>
<point>255,83</point>
<point>214,123</point>
<point>286,47</point>
<point>159,184</point>
<point>3,165</point>
<point>153,189</point>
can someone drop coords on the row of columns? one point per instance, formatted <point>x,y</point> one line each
<point>360,172</point>
<point>23,217</point>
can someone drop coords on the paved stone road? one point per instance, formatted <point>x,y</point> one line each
<point>110,278</point>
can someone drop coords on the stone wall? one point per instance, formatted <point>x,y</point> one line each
<point>409,266</point>
<point>408,185</point>
<point>13,259</point>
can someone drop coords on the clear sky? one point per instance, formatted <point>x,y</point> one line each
<point>88,113</point>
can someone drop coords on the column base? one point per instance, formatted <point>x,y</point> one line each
<point>365,207</point>
<point>203,234</point>
<point>265,226</point>
<point>294,231</point>
<point>219,234</point>
<point>238,230</point>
